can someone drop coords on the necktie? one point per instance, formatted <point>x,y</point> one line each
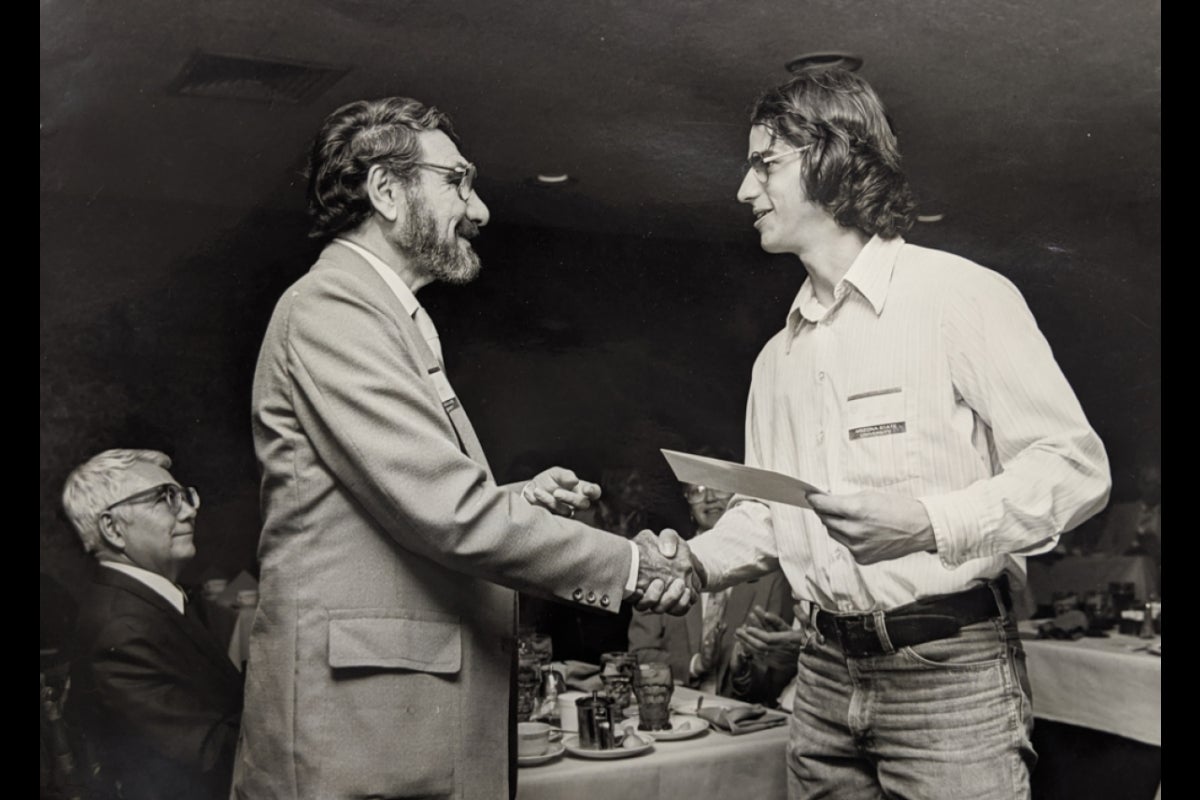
<point>427,329</point>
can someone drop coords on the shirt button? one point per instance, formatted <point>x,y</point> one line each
<point>821,377</point>
<point>820,436</point>
<point>577,594</point>
<point>604,600</point>
<point>591,598</point>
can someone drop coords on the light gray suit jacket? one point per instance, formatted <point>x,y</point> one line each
<point>381,651</point>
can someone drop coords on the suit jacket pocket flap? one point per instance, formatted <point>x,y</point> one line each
<point>395,642</point>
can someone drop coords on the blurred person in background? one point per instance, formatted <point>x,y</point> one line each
<point>700,646</point>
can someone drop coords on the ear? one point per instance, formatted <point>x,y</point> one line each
<point>110,532</point>
<point>386,193</point>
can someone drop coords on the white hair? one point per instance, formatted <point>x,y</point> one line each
<point>94,485</point>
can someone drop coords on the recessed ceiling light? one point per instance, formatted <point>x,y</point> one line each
<point>930,217</point>
<point>551,180</point>
<point>848,61</point>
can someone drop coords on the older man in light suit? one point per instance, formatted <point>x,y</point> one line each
<point>383,645</point>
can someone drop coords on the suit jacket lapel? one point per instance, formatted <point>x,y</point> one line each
<point>468,441</point>
<point>200,637</point>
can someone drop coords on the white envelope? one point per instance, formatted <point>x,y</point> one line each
<point>732,477</point>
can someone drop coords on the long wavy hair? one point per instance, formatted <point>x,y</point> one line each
<point>853,167</point>
<point>354,138</point>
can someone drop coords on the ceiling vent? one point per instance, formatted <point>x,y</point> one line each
<point>255,79</point>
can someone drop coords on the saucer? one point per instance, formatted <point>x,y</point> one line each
<point>682,727</point>
<point>555,751</point>
<point>572,745</point>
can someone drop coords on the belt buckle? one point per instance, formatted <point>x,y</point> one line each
<point>864,635</point>
<point>854,634</point>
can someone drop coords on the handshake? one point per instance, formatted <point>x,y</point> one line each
<point>669,578</point>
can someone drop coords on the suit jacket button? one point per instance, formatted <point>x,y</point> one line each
<point>577,594</point>
<point>604,600</point>
<point>591,597</point>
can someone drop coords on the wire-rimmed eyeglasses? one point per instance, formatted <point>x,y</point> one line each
<point>465,180</point>
<point>172,493</point>
<point>694,492</point>
<point>757,162</point>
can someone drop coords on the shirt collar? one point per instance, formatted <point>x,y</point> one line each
<point>870,274</point>
<point>169,591</point>
<point>398,287</point>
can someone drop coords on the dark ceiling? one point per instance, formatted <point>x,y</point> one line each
<point>1038,118</point>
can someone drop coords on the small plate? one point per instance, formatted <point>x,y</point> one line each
<point>572,745</point>
<point>682,727</point>
<point>556,750</point>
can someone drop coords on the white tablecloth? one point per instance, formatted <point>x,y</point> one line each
<point>715,765</point>
<point>1109,684</point>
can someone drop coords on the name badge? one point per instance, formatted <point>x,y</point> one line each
<point>444,390</point>
<point>879,412</point>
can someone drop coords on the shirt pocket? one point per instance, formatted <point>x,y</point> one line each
<point>878,442</point>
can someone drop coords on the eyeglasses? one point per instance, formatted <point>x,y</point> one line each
<point>465,173</point>
<point>758,162</point>
<point>172,493</point>
<point>696,492</point>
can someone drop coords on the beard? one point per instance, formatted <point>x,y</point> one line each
<point>449,260</point>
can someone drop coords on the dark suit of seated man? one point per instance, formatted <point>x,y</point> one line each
<point>150,687</point>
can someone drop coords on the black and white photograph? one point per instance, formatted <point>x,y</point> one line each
<point>689,400</point>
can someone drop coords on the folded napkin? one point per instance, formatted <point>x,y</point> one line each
<point>742,719</point>
<point>1071,624</point>
<point>580,675</point>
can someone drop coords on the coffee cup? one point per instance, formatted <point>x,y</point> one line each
<point>533,739</point>
<point>566,710</point>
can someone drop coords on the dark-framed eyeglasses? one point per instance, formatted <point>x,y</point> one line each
<point>465,176</point>
<point>757,162</point>
<point>696,492</point>
<point>172,494</point>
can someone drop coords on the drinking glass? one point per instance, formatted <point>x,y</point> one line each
<point>654,687</point>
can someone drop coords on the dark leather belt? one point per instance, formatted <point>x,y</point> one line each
<point>928,619</point>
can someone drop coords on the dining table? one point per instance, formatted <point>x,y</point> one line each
<point>715,764</point>
<point>1110,683</point>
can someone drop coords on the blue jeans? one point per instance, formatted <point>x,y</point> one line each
<point>944,720</point>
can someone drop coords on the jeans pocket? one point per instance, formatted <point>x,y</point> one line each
<point>976,647</point>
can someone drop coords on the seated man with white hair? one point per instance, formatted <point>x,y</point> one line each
<point>151,688</point>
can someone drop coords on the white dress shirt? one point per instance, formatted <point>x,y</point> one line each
<point>169,591</point>
<point>425,324</point>
<point>926,377</point>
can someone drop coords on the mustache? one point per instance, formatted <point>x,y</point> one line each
<point>467,229</point>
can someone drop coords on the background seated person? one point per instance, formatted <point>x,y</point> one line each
<point>696,645</point>
<point>1135,528</point>
<point>153,691</point>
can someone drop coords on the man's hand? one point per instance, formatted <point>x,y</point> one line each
<point>669,579</point>
<point>768,638</point>
<point>560,491</point>
<point>875,526</point>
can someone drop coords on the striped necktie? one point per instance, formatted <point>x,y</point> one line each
<point>427,329</point>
